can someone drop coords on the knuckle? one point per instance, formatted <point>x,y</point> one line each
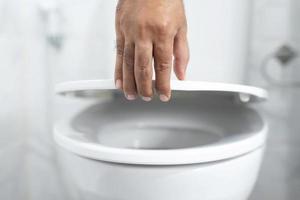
<point>142,69</point>
<point>119,48</point>
<point>128,63</point>
<point>143,62</point>
<point>163,67</point>
<point>128,57</point>
<point>163,29</point>
<point>143,74</point>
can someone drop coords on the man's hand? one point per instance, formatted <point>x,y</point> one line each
<point>148,30</point>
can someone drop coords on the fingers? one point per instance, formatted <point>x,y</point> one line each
<point>129,86</point>
<point>181,54</point>
<point>143,70</point>
<point>133,70</point>
<point>119,63</point>
<point>163,53</point>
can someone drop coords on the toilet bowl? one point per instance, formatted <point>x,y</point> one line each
<point>207,143</point>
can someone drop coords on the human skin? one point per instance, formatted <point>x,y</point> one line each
<point>150,31</point>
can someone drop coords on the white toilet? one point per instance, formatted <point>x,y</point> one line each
<point>207,143</point>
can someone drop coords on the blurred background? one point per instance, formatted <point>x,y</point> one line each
<point>43,42</point>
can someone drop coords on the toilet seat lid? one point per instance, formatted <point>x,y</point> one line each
<point>100,88</point>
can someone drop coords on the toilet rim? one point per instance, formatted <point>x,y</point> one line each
<point>64,133</point>
<point>184,156</point>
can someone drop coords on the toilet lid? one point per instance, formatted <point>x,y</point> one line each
<point>101,88</point>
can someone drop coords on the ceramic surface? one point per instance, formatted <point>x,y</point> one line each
<point>201,145</point>
<point>90,179</point>
<point>184,131</point>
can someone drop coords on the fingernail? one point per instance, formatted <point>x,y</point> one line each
<point>183,77</point>
<point>119,84</point>
<point>164,98</point>
<point>146,99</point>
<point>130,97</point>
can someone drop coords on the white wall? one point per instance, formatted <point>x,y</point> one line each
<point>88,44</point>
<point>29,66</point>
<point>25,153</point>
<point>275,22</point>
<point>28,167</point>
<point>218,39</point>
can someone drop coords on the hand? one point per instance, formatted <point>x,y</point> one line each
<point>146,31</point>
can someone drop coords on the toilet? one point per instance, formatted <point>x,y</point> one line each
<point>207,143</point>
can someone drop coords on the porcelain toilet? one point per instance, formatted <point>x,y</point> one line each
<point>207,143</point>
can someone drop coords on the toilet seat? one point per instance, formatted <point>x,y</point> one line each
<point>94,88</point>
<point>224,129</point>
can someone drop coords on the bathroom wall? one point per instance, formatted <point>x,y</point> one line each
<point>31,61</point>
<point>26,159</point>
<point>274,24</point>
<point>41,43</point>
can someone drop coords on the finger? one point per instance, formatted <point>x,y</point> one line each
<point>119,62</point>
<point>163,53</point>
<point>143,70</point>
<point>129,86</point>
<point>119,48</point>
<point>181,54</point>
